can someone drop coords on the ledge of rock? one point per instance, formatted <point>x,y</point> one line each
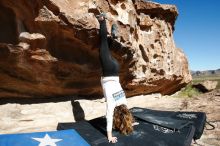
<point>49,48</point>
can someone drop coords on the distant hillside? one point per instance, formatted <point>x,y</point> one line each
<point>205,73</point>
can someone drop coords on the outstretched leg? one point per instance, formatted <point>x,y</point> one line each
<point>110,66</point>
<point>112,41</point>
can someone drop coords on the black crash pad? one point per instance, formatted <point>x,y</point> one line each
<point>173,119</point>
<point>144,134</point>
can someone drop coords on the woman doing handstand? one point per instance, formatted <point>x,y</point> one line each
<point>117,114</point>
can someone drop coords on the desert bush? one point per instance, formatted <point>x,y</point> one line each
<point>188,91</point>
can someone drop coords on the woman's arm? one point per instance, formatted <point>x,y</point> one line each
<point>109,121</point>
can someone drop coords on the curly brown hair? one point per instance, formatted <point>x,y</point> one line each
<point>123,119</point>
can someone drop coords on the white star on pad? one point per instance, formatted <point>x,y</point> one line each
<point>47,141</point>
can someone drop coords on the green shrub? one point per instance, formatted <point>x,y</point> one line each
<point>188,91</point>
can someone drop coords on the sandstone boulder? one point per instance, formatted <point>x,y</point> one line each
<point>206,86</point>
<point>62,60</point>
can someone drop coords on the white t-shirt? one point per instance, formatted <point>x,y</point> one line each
<point>114,96</point>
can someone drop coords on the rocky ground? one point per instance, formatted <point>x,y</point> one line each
<point>44,115</point>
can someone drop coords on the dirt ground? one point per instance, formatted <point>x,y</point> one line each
<point>210,104</point>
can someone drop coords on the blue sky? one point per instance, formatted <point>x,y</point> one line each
<point>197,32</point>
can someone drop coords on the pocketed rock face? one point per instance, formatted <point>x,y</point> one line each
<point>49,48</point>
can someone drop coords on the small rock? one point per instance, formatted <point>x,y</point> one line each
<point>206,86</point>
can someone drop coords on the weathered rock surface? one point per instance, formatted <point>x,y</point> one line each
<point>206,85</point>
<point>43,115</point>
<point>49,48</point>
